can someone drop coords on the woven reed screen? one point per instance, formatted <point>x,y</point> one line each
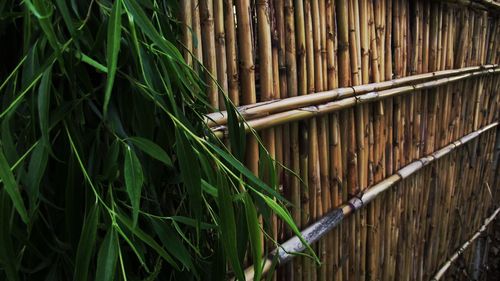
<point>350,139</point>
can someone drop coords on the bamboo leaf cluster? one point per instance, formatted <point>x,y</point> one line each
<point>108,170</point>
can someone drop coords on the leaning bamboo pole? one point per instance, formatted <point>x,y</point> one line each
<point>255,110</point>
<point>312,111</point>
<point>440,273</point>
<point>321,227</point>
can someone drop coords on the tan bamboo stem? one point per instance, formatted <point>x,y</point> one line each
<point>231,52</point>
<point>187,25</point>
<point>209,55</point>
<point>247,68</point>
<point>197,48</point>
<point>266,108</point>
<point>220,50</point>
<point>464,246</point>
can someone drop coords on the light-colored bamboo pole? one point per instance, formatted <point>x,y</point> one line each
<point>186,18</point>
<point>331,82</point>
<point>220,51</point>
<point>318,179</point>
<point>291,79</point>
<point>198,47</point>
<point>247,67</point>
<point>300,38</point>
<point>231,52</point>
<point>266,108</point>
<point>209,52</point>
<point>313,111</point>
<point>325,224</point>
<point>440,273</point>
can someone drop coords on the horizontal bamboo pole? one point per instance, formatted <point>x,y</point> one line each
<point>324,225</point>
<point>346,102</point>
<point>262,109</point>
<point>480,4</point>
<point>459,252</point>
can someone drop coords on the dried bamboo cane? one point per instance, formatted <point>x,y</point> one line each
<point>220,50</point>
<point>266,108</point>
<point>198,47</point>
<point>248,95</point>
<point>467,243</point>
<point>209,56</point>
<point>291,75</point>
<point>187,25</point>
<point>313,111</point>
<point>231,52</point>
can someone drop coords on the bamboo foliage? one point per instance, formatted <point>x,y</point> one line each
<point>346,94</point>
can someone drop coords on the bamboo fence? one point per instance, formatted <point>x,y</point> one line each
<point>359,97</point>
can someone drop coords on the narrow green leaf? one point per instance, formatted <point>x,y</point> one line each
<point>44,103</point>
<point>7,254</point>
<point>10,185</point>
<point>147,239</point>
<point>172,243</point>
<point>134,180</point>
<point>152,149</point>
<point>246,172</point>
<point>86,245</point>
<point>107,257</point>
<point>287,218</point>
<point>190,171</point>
<point>36,171</point>
<point>113,47</point>
<point>254,234</point>
<point>228,227</point>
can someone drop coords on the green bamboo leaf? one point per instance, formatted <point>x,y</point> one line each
<point>36,171</point>
<point>152,149</point>
<point>143,236</point>
<point>190,171</point>
<point>173,244</point>
<point>246,172</point>
<point>43,11</point>
<point>86,244</point>
<point>254,231</point>
<point>44,103</point>
<point>228,227</point>
<point>107,257</point>
<point>7,253</point>
<point>287,218</point>
<point>113,47</point>
<point>134,179</point>
<point>10,185</point>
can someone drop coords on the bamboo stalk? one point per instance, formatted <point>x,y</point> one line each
<point>231,52</point>
<point>197,48</point>
<point>209,56</point>
<point>187,25</point>
<point>248,91</point>
<point>467,243</point>
<point>220,50</point>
